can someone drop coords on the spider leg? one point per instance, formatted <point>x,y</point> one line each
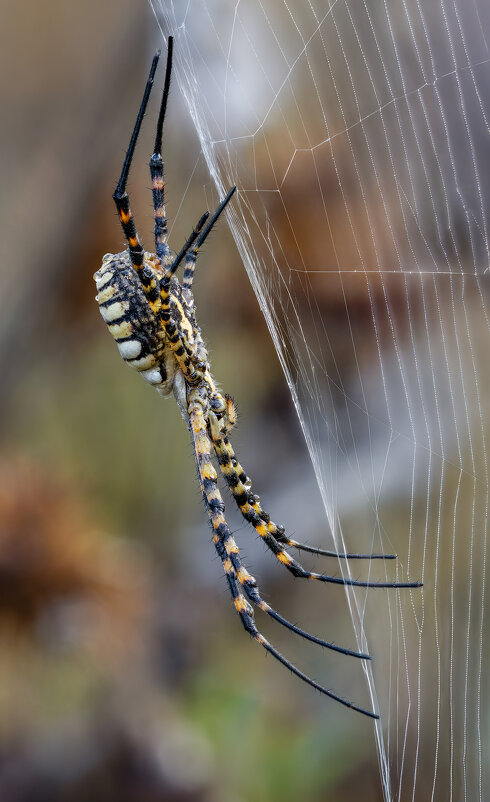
<point>189,242</point>
<point>170,270</point>
<point>226,423</point>
<point>121,199</point>
<point>269,532</point>
<point>190,261</point>
<point>183,339</point>
<point>288,541</point>
<point>157,169</point>
<point>228,550</point>
<point>179,333</point>
<point>247,580</point>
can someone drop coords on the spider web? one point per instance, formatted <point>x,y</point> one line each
<point>356,133</point>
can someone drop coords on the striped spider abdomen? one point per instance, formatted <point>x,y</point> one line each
<point>140,338</point>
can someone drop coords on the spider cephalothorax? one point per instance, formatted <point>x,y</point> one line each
<point>151,315</point>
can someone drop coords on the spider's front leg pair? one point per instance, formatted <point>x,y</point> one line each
<point>173,311</point>
<point>177,312</point>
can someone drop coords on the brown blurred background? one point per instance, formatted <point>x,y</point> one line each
<point>124,673</point>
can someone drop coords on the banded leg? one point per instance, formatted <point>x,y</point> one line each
<point>190,261</point>
<point>228,417</point>
<point>157,169</point>
<point>165,280</point>
<point>270,533</point>
<point>181,341</point>
<point>121,199</point>
<point>247,618</point>
<point>228,552</point>
<point>193,369</point>
<point>226,423</point>
<point>215,506</point>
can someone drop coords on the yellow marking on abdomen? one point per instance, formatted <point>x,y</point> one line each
<point>152,376</point>
<point>121,330</point>
<point>114,311</point>
<point>101,279</point>
<point>144,363</point>
<point>106,295</point>
<point>129,349</point>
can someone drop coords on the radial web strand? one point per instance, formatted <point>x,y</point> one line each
<point>357,134</point>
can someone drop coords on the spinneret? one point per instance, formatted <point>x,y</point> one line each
<point>152,317</point>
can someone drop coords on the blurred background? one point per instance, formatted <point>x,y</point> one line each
<point>124,672</point>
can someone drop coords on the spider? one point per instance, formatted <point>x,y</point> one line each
<point>152,317</point>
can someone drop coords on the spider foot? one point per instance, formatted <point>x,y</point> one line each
<point>249,585</point>
<point>281,537</point>
<point>267,646</point>
<point>245,612</point>
<point>298,571</point>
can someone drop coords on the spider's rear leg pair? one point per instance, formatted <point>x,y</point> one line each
<point>248,581</point>
<point>272,534</point>
<point>237,576</point>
